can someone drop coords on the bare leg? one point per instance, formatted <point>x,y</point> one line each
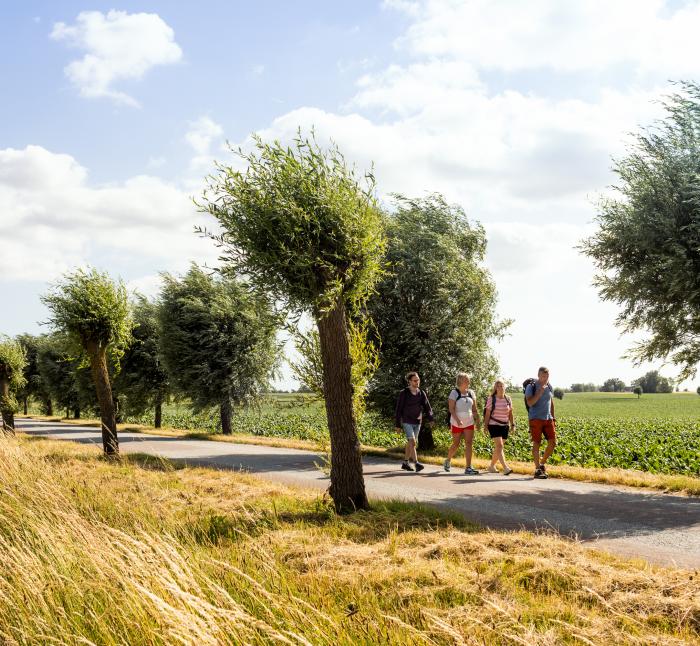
<point>497,455</point>
<point>456,441</point>
<point>468,443</point>
<point>549,450</point>
<point>411,455</point>
<point>536,454</point>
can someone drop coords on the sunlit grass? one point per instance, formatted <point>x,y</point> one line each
<point>141,552</point>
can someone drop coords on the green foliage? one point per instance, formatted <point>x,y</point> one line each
<point>142,379</point>
<point>660,434</point>
<point>217,339</point>
<point>363,352</point>
<point>558,393</point>
<point>583,388</point>
<point>90,308</point>
<point>698,390</point>
<point>309,368</point>
<point>299,223</point>
<point>638,390</point>
<point>435,309</point>
<point>613,385</point>
<point>13,360</point>
<point>653,382</point>
<point>67,381</point>
<point>647,249</point>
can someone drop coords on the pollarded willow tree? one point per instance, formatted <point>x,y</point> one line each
<point>647,248</point>
<point>218,340</point>
<point>434,310</point>
<point>12,363</point>
<point>306,229</point>
<point>93,312</point>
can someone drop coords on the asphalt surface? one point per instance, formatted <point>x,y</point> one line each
<point>661,528</point>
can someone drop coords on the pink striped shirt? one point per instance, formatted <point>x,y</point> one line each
<point>502,411</point>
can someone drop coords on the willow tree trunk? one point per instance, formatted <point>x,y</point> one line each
<point>158,417</point>
<point>25,402</point>
<point>226,412</point>
<point>49,407</point>
<point>100,375</point>
<point>8,415</point>
<point>426,441</point>
<point>347,482</point>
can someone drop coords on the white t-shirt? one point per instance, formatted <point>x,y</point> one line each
<point>463,408</point>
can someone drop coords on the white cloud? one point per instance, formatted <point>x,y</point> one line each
<point>119,46</point>
<point>206,138</point>
<point>528,163</point>
<point>650,36</point>
<point>54,220</point>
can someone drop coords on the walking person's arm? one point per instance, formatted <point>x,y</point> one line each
<point>399,410</point>
<point>475,412</point>
<point>536,394</point>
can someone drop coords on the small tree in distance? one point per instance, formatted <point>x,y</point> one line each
<point>558,393</point>
<point>638,391</point>
<point>93,312</point>
<point>304,228</point>
<point>698,390</point>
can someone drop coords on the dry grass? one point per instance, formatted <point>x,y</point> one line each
<point>141,552</point>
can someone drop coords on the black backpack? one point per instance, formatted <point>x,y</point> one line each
<point>470,393</point>
<point>528,382</point>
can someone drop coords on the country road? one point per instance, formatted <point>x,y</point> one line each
<point>662,528</point>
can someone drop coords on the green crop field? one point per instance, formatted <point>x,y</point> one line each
<point>654,433</point>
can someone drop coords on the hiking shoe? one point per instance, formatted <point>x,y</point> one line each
<point>446,465</point>
<point>470,472</point>
<point>419,466</point>
<point>540,474</point>
<point>406,466</point>
<point>507,471</point>
<point>492,469</point>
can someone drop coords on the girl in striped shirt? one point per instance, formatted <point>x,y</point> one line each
<point>498,418</point>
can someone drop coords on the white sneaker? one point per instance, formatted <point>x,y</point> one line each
<point>446,465</point>
<point>492,469</point>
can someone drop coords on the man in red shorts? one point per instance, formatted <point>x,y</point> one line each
<point>540,400</point>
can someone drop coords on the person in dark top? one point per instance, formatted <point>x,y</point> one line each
<point>411,407</point>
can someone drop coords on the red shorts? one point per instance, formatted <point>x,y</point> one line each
<point>540,427</point>
<point>458,430</point>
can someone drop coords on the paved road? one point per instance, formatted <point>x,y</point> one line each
<point>661,528</point>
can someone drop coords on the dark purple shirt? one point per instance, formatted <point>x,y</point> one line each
<point>410,407</point>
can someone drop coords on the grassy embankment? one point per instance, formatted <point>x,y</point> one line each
<point>139,552</point>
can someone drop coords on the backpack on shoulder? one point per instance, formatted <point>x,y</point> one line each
<point>448,415</point>
<point>493,405</point>
<point>530,381</point>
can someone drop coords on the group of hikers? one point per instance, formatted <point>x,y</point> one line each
<point>413,409</point>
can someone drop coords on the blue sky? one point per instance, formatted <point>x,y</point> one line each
<point>113,113</point>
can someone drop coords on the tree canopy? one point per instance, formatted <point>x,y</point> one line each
<point>92,311</point>
<point>653,382</point>
<point>142,380</point>
<point>12,362</point>
<point>218,340</point>
<point>647,247</point>
<point>306,229</point>
<point>434,310</point>
<point>613,385</point>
